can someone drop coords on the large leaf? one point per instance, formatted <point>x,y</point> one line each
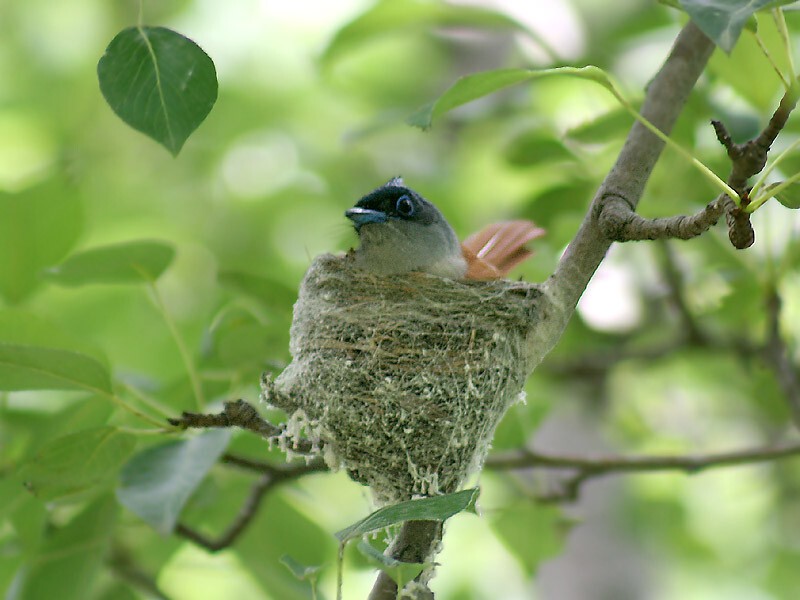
<point>412,15</point>
<point>282,528</point>
<point>159,82</point>
<point>77,462</point>
<point>437,508</point>
<point>271,292</point>
<point>478,85</point>
<point>129,262</point>
<point>790,196</point>
<point>611,125</point>
<point>722,20</point>
<point>26,329</point>
<point>532,532</point>
<point>157,482</point>
<point>38,227</point>
<point>24,367</point>
<point>68,561</point>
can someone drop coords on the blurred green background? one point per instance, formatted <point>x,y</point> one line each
<point>310,116</point>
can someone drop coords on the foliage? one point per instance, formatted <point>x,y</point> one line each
<point>134,286</point>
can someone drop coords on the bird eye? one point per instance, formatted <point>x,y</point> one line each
<point>404,206</point>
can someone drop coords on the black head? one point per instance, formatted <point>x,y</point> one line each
<point>393,201</point>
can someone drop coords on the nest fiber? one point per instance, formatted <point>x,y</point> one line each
<point>403,379</point>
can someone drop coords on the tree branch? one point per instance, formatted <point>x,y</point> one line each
<point>621,223</point>
<point>588,468</point>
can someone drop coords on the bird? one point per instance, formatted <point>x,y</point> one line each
<point>400,232</point>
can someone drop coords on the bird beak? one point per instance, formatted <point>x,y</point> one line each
<point>363,216</point>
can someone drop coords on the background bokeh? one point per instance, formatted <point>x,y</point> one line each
<point>310,116</point>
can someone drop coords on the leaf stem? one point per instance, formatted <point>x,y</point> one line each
<point>148,400</point>
<point>780,23</point>
<point>766,172</point>
<point>768,56</point>
<point>188,363</point>
<point>128,408</point>
<point>755,204</point>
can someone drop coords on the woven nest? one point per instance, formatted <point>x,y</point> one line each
<point>403,379</point>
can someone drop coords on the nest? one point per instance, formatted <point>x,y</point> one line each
<point>402,379</point>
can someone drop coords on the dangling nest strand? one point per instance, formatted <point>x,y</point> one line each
<point>403,379</point>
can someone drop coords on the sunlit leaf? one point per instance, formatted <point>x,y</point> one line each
<point>271,292</point>
<point>156,483</point>
<point>606,127</point>
<point>531,532</point>
<point>722,20</point>
<point>38,226</point>
<point>76,462</point>
<point>129,262</point>
<point>298,569</point>
<point>437,508</point>
<point>281,528</point>
<point>478,85</point>
<point>536,147</point>
<point>159,82</point>
<point>25,367</point>
<point>402,15</point>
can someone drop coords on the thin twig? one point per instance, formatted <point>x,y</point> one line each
<point>277,471</point>
<point>246,514</point>
<point>238,413</point>
<point>271,475</point>
<point>777,357</point>
<point>122,565</point>
<point>676,287</point>
<point>588,468</point>
<point>620,222</point>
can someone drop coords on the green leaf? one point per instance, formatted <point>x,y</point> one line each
<point>437,508</point>
<point>69,560</point>
<point>129,262</point>
<point>298,569</point>
<point>396,16</point>
<point>77,462</point>
<point>536,147</point>
<point>478,85</point>
<point>533,533</point>
<point>281,527</point>
<point>25,367</point>
<point>271,292</point>
<point>156,483</point>
<point>722,20</point>
<point>38,227</point>
<point>606,127</point>
<point>790,196</point>
<point>26,329</point>
<point>401,572</point>
<point>159,82</point>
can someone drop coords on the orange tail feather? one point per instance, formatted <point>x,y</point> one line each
<point>492,252</point>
